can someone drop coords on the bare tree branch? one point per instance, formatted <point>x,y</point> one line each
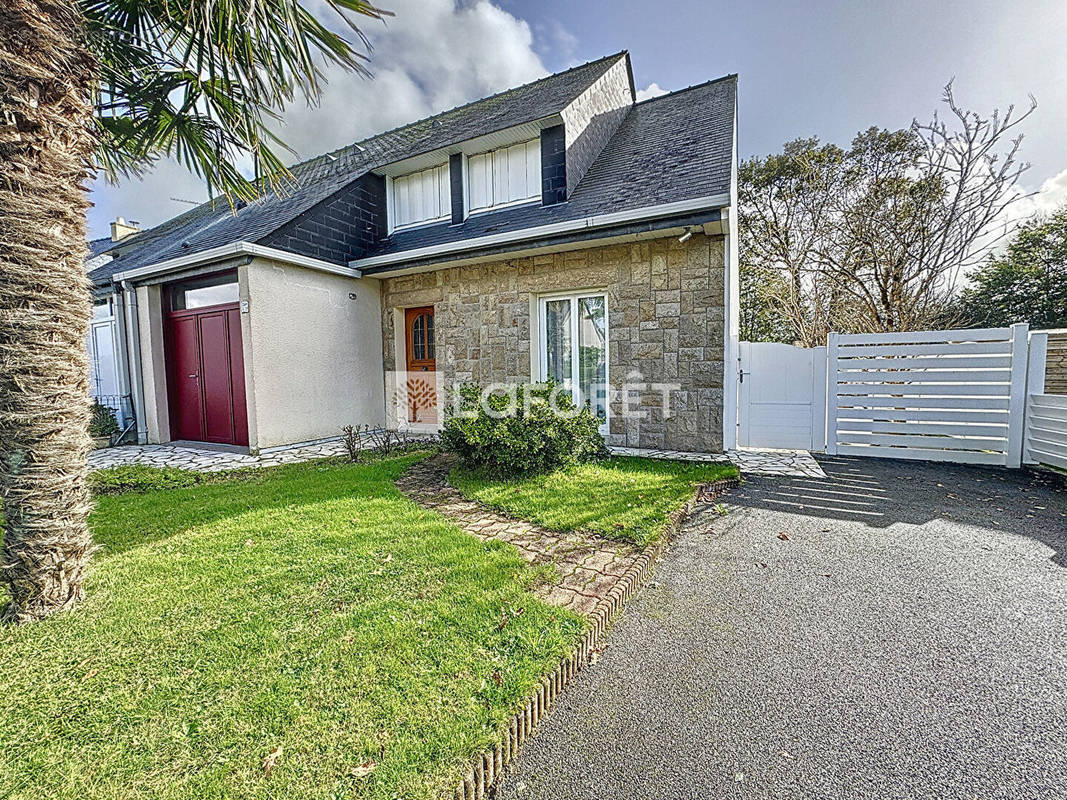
<point>875,238</point>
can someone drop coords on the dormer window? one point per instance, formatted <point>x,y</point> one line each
<point>420,197</point>
<point>504,177</point>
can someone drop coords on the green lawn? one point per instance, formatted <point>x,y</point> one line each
<point>622,498</point>
<point>304,632</point>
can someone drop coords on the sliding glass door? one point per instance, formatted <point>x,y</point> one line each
<point>574,348</point>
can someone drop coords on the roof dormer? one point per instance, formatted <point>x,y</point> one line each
<point>540,160</point>
<point>591,119</point>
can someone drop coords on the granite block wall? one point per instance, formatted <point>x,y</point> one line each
<point>665,326</point>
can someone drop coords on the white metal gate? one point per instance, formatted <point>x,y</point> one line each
<point>933,395</point>
<point>782,397</point>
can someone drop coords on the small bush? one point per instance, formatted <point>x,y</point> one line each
<point>522,434</point>
<point>362,440</point>
<point>352,438</point>
<point>141,478</point>
<point>102,422</point>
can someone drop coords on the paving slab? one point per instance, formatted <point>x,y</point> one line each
<point>797,463</point>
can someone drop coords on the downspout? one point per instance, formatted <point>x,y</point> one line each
<point>732,304</point>
<point>134,349</point>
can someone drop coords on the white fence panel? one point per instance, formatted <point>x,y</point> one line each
<point>1046,430</point>
<point>931,395</point>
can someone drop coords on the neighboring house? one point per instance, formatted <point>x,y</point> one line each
<point>559,230</point>
<point>106,344</point>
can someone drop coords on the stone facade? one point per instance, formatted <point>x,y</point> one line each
<point>665,325</point>
<point>1056,363</point>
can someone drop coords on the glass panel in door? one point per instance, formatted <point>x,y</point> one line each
<point>593,354</point>
<point>558,344</point>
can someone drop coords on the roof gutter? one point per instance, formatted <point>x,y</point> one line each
<point>231,251</point>
<point>583,223</point>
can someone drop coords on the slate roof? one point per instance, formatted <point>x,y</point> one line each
<point>670,148</point>
<point>98,246</point>
<point>213,224</point>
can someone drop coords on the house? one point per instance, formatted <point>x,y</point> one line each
<point>557,230</point>
<point>106,343</point>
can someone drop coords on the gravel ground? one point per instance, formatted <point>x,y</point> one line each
<point>908,639</point>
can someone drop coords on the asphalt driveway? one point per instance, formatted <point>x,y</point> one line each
<point>898,630</point>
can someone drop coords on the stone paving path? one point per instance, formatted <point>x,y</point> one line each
<point>164,455</point>
<point>586,567</point>
<point>789,463</point>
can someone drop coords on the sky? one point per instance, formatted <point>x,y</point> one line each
<point>825,68</point>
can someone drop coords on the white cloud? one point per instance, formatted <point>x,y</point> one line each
<point>433,55</point>
<point>650,91</point>
<point>1029,203</point>
<point>146,200</point>
<point>1051,196</point>
<point>552,36</point>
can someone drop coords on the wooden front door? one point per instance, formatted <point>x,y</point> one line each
<point>206,375</point>
<point>421,357</point>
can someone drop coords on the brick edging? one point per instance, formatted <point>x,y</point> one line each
<point>491,764</point>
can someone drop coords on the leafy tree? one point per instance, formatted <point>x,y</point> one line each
<point>785,206</point>
<point>762,317</point>
<point>112,85</point>
<point>873,238</point>
<point>1026,284</point>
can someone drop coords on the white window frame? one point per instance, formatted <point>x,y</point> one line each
<point>530,199</point>
<point>390,200</point>
<point>542,344</point>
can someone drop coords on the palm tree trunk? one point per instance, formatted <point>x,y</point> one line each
<point>46,141</point>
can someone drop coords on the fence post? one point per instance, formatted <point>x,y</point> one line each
<point>831,394</point>
<point>1020,343</point>
<point>1035,384</point>
<point>818,397</point>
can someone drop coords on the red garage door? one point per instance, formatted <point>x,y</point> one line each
<point>206,362</point>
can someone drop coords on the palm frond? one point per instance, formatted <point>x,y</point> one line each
<point>200,81</point>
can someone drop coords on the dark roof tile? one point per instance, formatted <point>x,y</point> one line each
<point>213,224</point>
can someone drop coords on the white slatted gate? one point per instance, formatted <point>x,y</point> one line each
<point>1046,414</point>
<point>1046,430</point>
<point>931,395</point>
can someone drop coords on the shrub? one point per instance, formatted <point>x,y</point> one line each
<point>387,443</point>
<point>102,422</point>
<point>361,440</point>
<point>522,434</point>
<point>352,438</point>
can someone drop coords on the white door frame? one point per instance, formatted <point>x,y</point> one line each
<point>542,345</point>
